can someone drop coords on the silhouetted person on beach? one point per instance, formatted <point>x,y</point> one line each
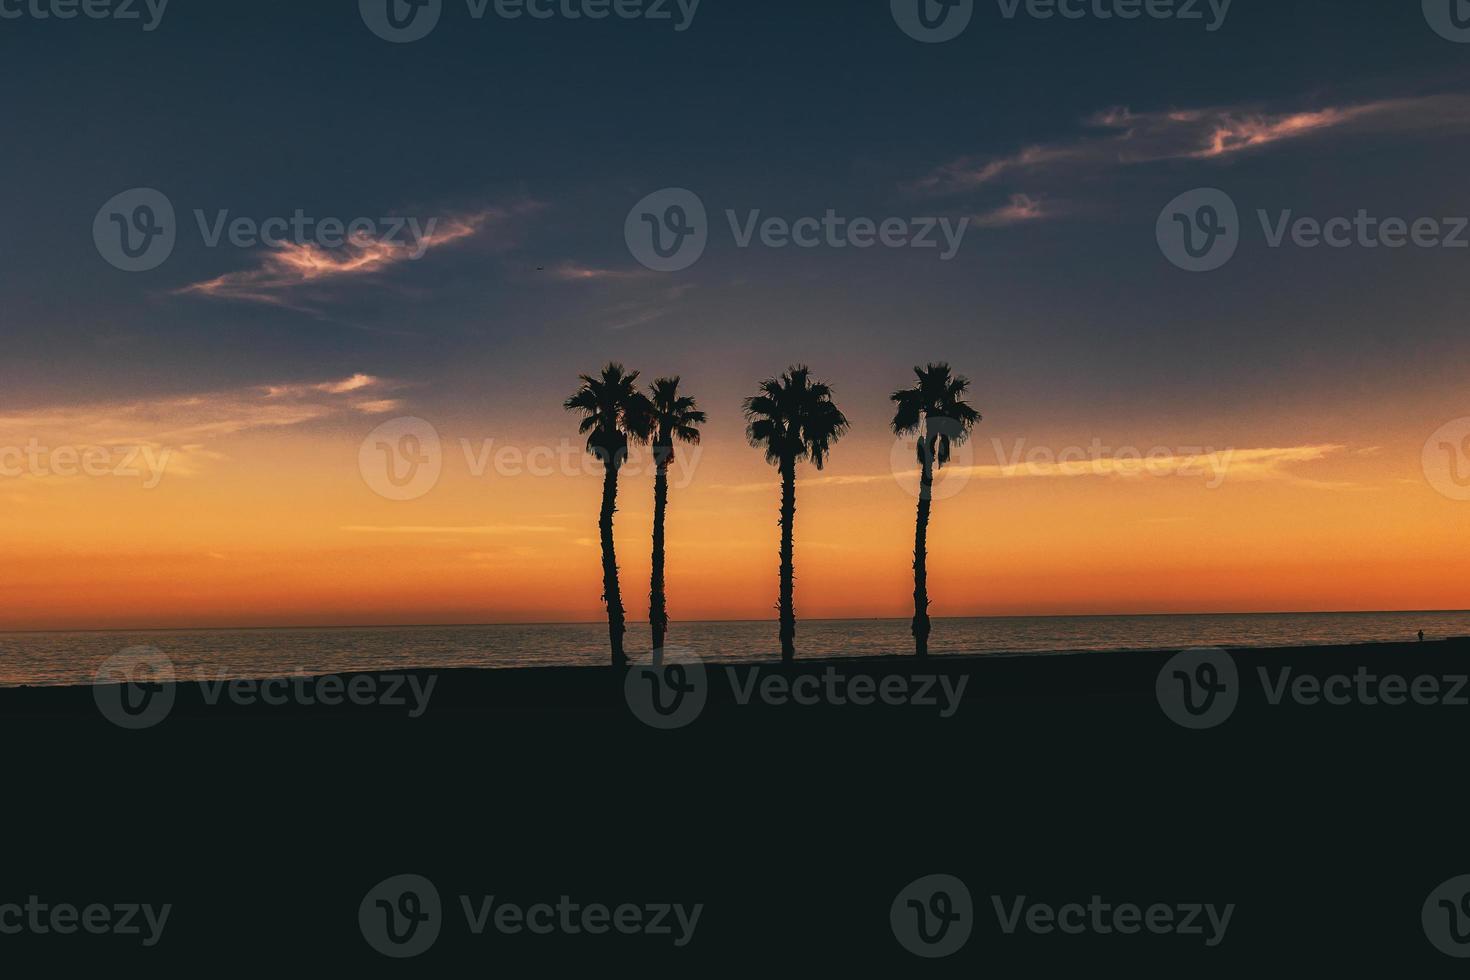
<point>1421,636</point>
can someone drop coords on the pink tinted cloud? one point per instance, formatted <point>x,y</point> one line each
<point>280,272</point>
<point>1131,138</point>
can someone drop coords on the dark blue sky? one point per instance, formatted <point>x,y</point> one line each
<point>789,107</point>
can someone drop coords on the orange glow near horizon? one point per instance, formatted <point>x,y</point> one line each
<point>272,524</point>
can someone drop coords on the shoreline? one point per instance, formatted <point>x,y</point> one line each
<point>1062,673</point>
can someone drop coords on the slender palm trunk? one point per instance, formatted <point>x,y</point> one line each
<point>658,617</point>
<point>788,573</point>
<point>921,555</point>
<point>610,591</point>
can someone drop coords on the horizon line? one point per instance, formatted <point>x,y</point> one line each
<point>716,622</point>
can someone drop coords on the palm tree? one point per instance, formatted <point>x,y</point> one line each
<point>614,413</point>
<point>792,419</point>
<point>674,416</point>
<point>935,408</point>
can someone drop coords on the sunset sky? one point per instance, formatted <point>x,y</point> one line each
<point>1287,397</point>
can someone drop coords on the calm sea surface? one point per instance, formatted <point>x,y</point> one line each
<point>73,658</point>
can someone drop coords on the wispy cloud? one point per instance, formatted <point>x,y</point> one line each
<point>186,426</point>
<point>1022,208</point>
<point>1273,464</point>
<point>571,271</point>
<point>1120,137</point>
<point>281,271</point>
<point>473,530</point>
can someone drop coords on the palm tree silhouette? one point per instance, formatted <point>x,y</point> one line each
<point>673,416</point>
<point>934,407</point>
<point>792,419</point>
<point>614,413</point>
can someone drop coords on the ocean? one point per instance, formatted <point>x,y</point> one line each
<point>63,658</point>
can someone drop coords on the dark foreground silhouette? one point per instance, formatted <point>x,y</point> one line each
<point>1058,778</point>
